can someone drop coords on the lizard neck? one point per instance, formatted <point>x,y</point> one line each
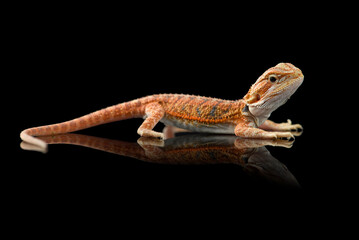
<point>253,115</point>
<point>261,113</point>
<point>266,109</point>
<point>263,110</point>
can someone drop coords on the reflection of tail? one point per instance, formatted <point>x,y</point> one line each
<point>132,109</point>
<point>128,149</point>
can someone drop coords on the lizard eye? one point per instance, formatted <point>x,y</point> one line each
<point>273,78</point>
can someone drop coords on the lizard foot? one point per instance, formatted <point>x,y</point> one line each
<point>150,133</point>
<point>296,129</point>
<point>283,135</point>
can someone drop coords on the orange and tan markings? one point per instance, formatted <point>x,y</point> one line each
<point>193,112</point>
<point>201,109</point>
<point>155,113</point>
<point>117,112</point>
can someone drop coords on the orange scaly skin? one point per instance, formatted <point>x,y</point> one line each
<point>246,117</point>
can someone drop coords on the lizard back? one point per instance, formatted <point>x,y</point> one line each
<point>198,113</point>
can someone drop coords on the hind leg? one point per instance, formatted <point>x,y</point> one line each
<point>154,113</point>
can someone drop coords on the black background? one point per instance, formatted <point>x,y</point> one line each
<point>69,63</point>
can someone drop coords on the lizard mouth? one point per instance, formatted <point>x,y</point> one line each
<point>278,93</point>
<point>287,89</point>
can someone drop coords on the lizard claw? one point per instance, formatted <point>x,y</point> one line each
<point>284,135</point>
<point>293,127</point>
<point>296,129</point>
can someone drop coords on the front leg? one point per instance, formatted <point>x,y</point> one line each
<point>245,131</point>
<point>269,125</point>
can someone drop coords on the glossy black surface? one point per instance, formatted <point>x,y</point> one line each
<point>251,155</point>
<point>185,163</point>
<point>65,69</point>
<point>76,168</point>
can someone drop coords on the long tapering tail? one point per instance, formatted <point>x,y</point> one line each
<point>132,109</point>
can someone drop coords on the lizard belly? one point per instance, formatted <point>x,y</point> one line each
<point>196,126</point>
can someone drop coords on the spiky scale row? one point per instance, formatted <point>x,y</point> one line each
<point>201,109</point>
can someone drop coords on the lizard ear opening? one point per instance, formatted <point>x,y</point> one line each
<point>252,98</point>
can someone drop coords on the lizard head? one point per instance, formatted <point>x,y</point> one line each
<point>273,88</point>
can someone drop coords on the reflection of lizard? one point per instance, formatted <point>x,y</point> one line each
<point>246,117</point>
<point>250,154</point>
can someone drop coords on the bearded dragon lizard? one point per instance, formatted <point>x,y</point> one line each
<point>247,117</point>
